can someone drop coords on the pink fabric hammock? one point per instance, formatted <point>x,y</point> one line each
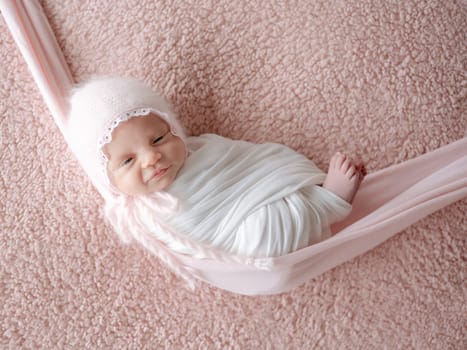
<point>389,200</point>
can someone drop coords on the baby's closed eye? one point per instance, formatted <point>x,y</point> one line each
<point>126,162</point>
<point>159,139</point>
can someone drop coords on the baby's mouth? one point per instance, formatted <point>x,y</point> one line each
<point>158,173</point>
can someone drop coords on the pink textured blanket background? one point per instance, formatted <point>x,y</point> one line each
<point>382,80</point>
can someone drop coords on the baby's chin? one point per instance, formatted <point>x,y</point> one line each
<point>134,191</point>
<point>139,192</point>
<point>149,190</point>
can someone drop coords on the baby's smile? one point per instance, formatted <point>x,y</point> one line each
<point>158,173</point>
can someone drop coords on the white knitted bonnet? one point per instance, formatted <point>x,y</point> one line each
<point>97,107</point>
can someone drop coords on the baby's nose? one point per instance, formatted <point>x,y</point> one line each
<point>151,157</point>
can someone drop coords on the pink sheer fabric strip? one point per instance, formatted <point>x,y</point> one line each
<point>389,200</point>
<point>38,45</point>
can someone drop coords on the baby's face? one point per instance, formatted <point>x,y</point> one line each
<point>144,156</point>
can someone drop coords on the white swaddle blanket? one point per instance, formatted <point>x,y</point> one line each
<point>249,200</point>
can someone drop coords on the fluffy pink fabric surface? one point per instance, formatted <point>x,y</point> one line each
<point>382,80</point>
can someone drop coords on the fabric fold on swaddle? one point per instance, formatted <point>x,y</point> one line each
<point>249,200</point>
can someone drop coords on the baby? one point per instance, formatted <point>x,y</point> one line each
<point>144,157</point>
<point>206,196</point>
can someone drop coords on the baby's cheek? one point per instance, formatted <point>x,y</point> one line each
<point>119,182</point>
<point>183,152</point>
<point>111,178</point>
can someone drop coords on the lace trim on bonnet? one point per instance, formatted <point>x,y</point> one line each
<point>107,136</point>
